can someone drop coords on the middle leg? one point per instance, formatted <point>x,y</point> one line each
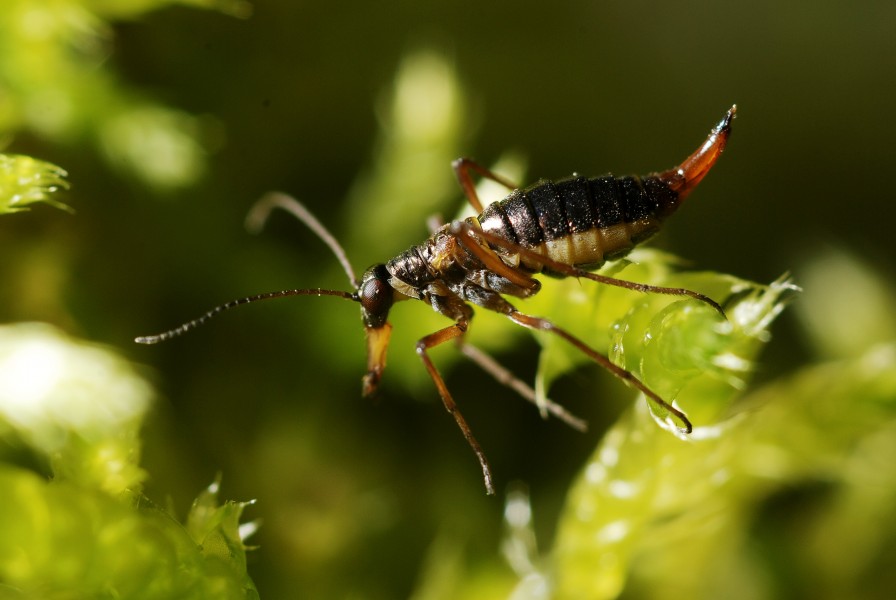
<point>506,378</point>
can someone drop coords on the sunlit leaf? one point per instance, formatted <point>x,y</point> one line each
<point>64,540</point>
<point>76,405</point>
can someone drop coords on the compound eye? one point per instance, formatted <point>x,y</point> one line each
<point>376,300</point>
<point>373,294</point>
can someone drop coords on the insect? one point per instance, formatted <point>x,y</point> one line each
<point>566,228</point>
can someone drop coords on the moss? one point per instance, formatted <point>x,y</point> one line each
<point>25,181</point>
<point>73,519</point>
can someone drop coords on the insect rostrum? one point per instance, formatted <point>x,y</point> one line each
<point>566,228</point>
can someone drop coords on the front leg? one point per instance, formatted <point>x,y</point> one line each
<point>453,332</point>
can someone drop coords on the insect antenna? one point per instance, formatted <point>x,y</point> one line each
<point>182,329</point>
<point>255,220</point>
<point>259,213</point>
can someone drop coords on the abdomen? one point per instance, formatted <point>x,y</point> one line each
<point>582,221</point>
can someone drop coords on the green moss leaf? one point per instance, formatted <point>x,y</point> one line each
<point>73,523</point>
<point>62,540</point>
<point>643,485</point>
<point>25,181</point>
<point>217,529</point>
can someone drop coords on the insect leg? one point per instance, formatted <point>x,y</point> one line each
<point>541,324</point>
<point>493,301</point>
<point>430,341</point>
<point>646,288</point>
<point>462,168</point>
<point>465,232</point>
<point>505,377</point>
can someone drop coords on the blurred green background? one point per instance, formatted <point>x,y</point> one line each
<point>172,121</point>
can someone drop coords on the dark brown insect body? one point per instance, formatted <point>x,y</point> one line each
<point>582,222</point>
<point>564,228</point>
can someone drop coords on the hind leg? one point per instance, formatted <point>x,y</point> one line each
<point>470,237</point>
<point>495,302</point>
<point>462,168</point>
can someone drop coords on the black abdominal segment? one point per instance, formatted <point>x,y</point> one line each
<point>588,219</point>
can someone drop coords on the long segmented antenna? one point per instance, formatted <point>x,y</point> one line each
<point>182,329</point>
<point>255,220</point>
<point>260,212</point>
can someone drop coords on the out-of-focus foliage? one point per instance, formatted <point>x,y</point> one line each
<point>79,407</point>
<point>133,9</point>
<point>795,474</point>
<point>852,309</point>
<point>51,84</point>
<point>62,539</point>
<point>73,522</point>
<point>24,181</point>
<point>422,120</point>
